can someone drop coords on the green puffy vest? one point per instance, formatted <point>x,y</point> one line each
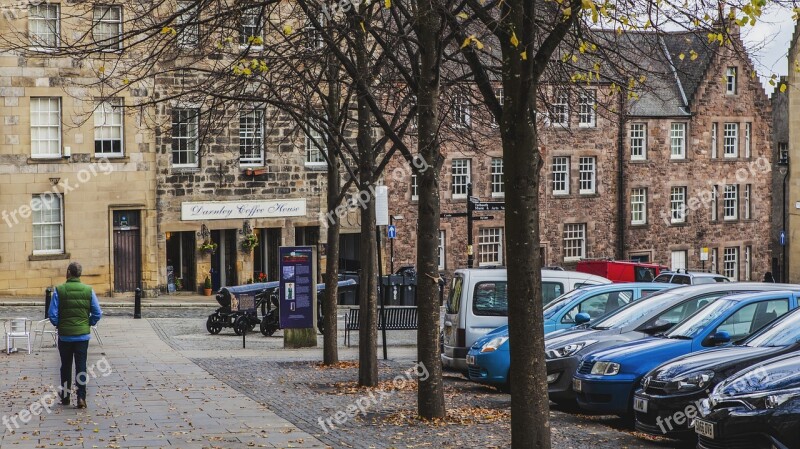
<point>74,306</point>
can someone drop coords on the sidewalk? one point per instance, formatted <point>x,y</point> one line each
<point>152,396</point>
<point>181,300</point>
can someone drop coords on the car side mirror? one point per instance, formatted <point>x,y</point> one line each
<point>721,337</point>
<point>582,318</point>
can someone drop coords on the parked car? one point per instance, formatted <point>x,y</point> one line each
<point>488,360</point>
<point>606,379</point>
<point>621,270</point>
<point>690,278</point>
<point>756,408</point>
<point>478,303</point>
<point>679,384</point>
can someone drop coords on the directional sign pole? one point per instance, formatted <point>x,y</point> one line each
<point>470,209</point>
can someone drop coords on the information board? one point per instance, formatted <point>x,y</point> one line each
<point>297,287</point>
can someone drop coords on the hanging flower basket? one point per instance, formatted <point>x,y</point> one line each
<point>249,242</point>
<point>208,247</point>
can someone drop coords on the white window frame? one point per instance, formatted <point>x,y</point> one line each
<point>748,263</point>
<point>730,81</point>
<point>587,175</point>
<point>559,110</point>
<point>312,37</point>
<point>500,94</point>
<point>677,204</point>
<point>730,263</point>
<point>679,259</point>
<point>414,188</point>
<point>730,202</point>
<point>677,140</point>
<point>42,126</point>
<point>50,25</point>
<point>748,193</point>
<point>188,24</point>
<point>100,15</point>
<point>714,202</point>
<point>109,119</point>
<point>574,241</point>
<point>442,254</point>
<point>462,110</point>
<point>315,146</point>
<point>498,186</point>
<point>192,140</point>
<point>490,247</point>
<point>714,267</point>
<point>561,175</point>
<point>587,115</point>
<point>748,133</point>
<point>37,220</point>
<point>730,140</point>
<point>639,206</point>
<point>638,141</point>
<point>251,137</point>
<point>247,24</point>
<point>460,170</point>
<point>714,127</point>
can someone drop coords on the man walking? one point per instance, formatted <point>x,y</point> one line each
<point>74,309</point>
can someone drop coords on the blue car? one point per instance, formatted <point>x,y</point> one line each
<point>488,360</point>
<point>606,379</point>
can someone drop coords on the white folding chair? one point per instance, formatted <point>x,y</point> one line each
<point>42,328</point>
<point>97,335</point>
<point>15,329</point>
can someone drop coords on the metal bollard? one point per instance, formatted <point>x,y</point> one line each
<point>137,304</point>
<point>48,297</point>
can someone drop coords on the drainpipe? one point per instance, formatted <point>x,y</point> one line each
<point>621,178</point>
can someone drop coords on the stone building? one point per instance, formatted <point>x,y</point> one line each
<point>780,179</point>
<point>682,178</point>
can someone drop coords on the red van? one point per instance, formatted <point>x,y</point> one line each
<point>621,270</point>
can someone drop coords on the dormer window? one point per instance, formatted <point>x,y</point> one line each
<point>730,81</point>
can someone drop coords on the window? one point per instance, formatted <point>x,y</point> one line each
<point>185,142</point>
<point>730,140</point>
<point>586,169</point>
<point>714,199</point>
<point>559,110</point>
<point>730,81</point>
<point>678,259</point>
<point>560,175</point>
<point>461,111</point>
<point>315,146</point>
<point>48,224</point>
<point>677,138</point>
<point>783,151</point>
<point>638,141</point>
<point>714,267</point>
<point>43,25</point>
<point>441,250</point>
<point>748,208</point>
<point>714,140</point>
<point>748,260</point>
<point>638,206</point>
<point>498,189</point>
<point>499,93</point>
<point>730,263</point>
<point>250,31</point>
<point>574,241</point>
<point>730,202</point>
<point>677,204</point>
<point>599,305</point>
<point>107,27</point>
<point>586,108</point>
<point>251,137</point>
<point>490,299</point>
<point>45,127</point>
<point>460,177</point>
<point>490,246</point>
<point>108,122</point>
<point>414,188</point>
<point>312,36</point>
<point>188,25</point>
<point>748,128</point>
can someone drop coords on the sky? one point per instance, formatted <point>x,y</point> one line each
<point>768,43</point>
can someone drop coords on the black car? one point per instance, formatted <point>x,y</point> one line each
<point>756,408</point>
<point>639,319</point>
<point>670,394</point>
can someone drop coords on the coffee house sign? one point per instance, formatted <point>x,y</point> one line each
<point>227,210</point>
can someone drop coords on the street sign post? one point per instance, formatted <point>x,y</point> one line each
<point>474,204</point>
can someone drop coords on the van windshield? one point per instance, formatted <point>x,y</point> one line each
<point>491,299</point>
<point>454,300</point>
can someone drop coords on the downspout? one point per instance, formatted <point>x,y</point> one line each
<point>623,114</point>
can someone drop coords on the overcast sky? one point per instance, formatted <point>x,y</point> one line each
<point>768,43</point>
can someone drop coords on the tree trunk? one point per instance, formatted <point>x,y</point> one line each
<point>430,394</point>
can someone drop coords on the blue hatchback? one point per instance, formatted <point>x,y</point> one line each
<point>488,360</point>
<point>606,379</point>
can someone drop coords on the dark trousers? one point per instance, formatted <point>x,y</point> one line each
<point>70,350</point>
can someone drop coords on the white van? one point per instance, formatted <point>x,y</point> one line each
<point>463,324</point>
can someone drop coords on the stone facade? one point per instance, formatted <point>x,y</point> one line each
<point>780,178</point>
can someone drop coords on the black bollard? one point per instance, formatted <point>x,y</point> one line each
<point>137,304</point>
<point>48,296</point>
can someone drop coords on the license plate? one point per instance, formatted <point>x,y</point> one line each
<point>640,405</point>
<point>470,360</point>
<point>577,385</point>
<point>704,428</point>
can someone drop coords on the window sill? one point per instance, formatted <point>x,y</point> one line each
<point>639,225</point>
<point>681,160</point>
<point>458,197</point>
<point>316,167</point>
<point>638,161</point>
<point>185,170</point>
<point>587,125</point>
<point>588,194</point>
<point>48,160</point>
<point>43,49</point>
<point>679,224</point>
<point>572,259</point>
<point>115,158</point>
<point>43,257</point>
<point>498,195</point>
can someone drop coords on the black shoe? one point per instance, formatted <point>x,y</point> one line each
<point>81,403</point>
<point>65,401</point>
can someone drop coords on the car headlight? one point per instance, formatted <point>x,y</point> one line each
<point>692,382</point>
<point>493,344</point>
<point>605,368</point>
<point>568,350</point>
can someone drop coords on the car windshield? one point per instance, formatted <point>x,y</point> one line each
<point>635,310</point>
<point>560,302</point>
<point>691,327</point>
<point>785,332</point>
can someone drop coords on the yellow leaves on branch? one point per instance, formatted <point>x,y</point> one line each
<point>514,40</point>
<point>470,40</point>
<point>246,68</point>
<point>387,4</point>
<point>169,30</point>
<point>287,30</point>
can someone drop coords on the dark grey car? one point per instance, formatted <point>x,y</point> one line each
<point>646,317</point>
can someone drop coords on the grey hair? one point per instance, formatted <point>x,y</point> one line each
<point>74,270</point>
